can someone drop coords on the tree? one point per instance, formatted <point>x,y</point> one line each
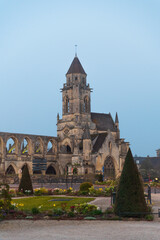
<point>130,194</point>
<point>25,183</point>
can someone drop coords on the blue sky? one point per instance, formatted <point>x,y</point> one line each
<point>118,46</point>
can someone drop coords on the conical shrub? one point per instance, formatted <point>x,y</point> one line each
<point>25,184</point>
<point>130,200</point>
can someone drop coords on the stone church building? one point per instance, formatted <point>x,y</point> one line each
<point>86,142</point>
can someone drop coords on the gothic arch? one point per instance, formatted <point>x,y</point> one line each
<point>26,146</point>
<point>86,107</point>
<point>51,170</point>
<point>66,146</point>
<point>51,146</point>
<point>66,104</point>
<point>38,148</point>
<point>11,170</point>
<point>12,145</point>
<point>109,168</point>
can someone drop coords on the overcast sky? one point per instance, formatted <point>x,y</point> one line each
<point>118,46</point>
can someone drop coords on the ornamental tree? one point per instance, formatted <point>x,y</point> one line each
<point>26,184</point>
<point>130,200</point>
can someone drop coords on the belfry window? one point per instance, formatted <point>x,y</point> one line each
<point>66,103</point>
<point>86,104</point>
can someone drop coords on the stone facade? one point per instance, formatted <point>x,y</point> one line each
<point>86,142</point>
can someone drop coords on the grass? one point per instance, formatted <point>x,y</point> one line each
<point>43,203</point>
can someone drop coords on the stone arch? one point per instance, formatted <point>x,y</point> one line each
<point>51,170</point>
<point>109,168</point>
<point>66,146</point>
<point>38,148</point>
<point>26,146</point>
<point>29,169</point>
<point>12,145</point>
<point>10,170</point>
<point>51,147</point>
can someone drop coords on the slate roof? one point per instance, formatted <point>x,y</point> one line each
<point>76,67</point>
<point>98,140</point>
<point>103,121</point>
<point>154,160</point>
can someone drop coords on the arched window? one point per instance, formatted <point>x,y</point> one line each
<point>38,146</point>
<point>11,146</point>
<point>86,104</point>
<point>24,146</point>
<point>66,105</point>
<point>49,147</point>
<point>51,170</point>
<point>10,170</point>
<point>109,169</point>
<point>68,148</point>
<point>110,147</point>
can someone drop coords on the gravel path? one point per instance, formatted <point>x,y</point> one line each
<point>79,230</point>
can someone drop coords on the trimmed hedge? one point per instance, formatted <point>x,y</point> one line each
<point>130,200</point>
<point>84,187</point>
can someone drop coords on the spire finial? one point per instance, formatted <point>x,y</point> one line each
<point>75,50</point>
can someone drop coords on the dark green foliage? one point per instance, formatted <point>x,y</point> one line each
<point>35,210</point>
<point>26,184</point>
<point>130,194</point>
<point>84,187</point>
<point>99,177</point>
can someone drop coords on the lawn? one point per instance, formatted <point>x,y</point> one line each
<point>44,203</point>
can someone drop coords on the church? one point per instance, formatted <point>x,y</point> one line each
<point>86,142</point>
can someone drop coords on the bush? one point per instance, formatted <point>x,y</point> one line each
<point>84,208</point>
<point>71,214</point>
<point>99,177</point>
<point>149,217</point>
<point>35,210</point>
<point>95,212</point>
<point>58,212</point>
<point>84,187</point>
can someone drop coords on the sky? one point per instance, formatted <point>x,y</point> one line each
<point>118,47</point>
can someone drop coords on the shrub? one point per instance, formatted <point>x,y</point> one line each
<point>99,177</point>
<point>149,217</point>
<point>84,187</point>
<point>5,197</point>
<point>130,195</point>
<point>25,183</point>
<point>95,212</point>
<point>71,214</point>
<point>84,208</point>
<point>35,210</point>
<point>58,212</point>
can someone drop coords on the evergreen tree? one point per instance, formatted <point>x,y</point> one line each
<point>130,193</point>
<point>25,182</point>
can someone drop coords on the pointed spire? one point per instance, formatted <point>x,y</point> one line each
<point>116,119</point>
<point>86,134</point>
<point>76,67</point>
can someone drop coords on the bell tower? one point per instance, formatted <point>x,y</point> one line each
<point>76,93</point>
